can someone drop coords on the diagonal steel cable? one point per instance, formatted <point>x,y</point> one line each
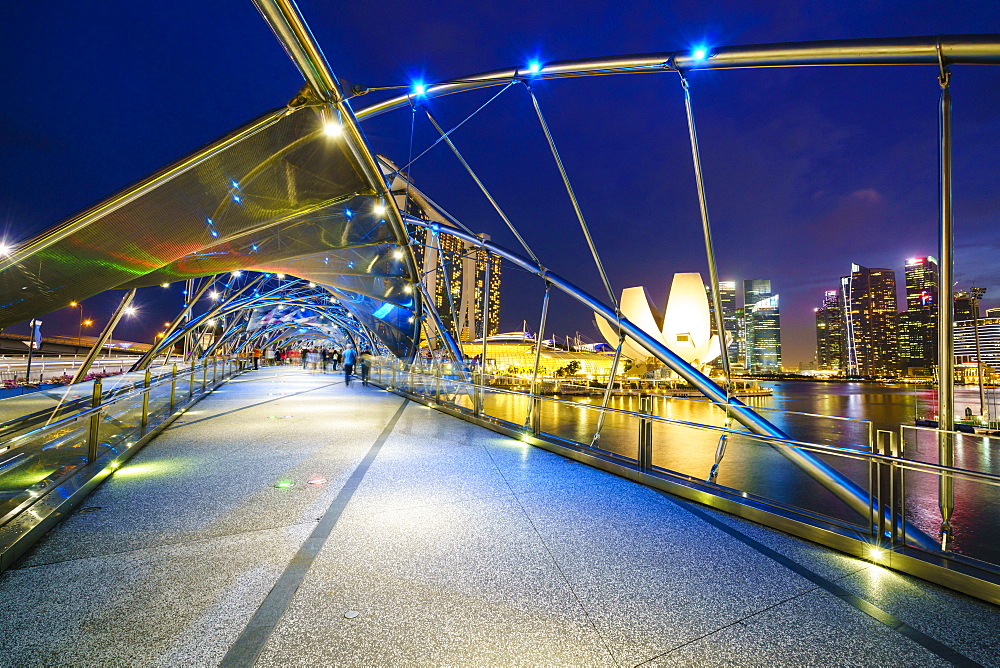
<point>572,197</point>
<point>442,138</point>
<point>458,154</point>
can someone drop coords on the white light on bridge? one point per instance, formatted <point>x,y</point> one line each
<point>333,129</point>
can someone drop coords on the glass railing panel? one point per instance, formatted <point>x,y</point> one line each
<point>975,452</point>
<point>38,461</point>
<point>975,518</point>
<point>568,421</point>
<point>159,402</point>
<point>506,406</point>
<point>120,424</point>
<point>753,466</point>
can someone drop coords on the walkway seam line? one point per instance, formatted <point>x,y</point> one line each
<point>248,646</point>
<point>937,647</point>
<point>552,557</point>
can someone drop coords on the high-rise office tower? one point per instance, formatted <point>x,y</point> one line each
<point>830,342</point>
<point>755,290</point>
<point>870,319</point>
<point>762,323</point>
<point>917,330</point>
<point>730,320</point>
<point>964,306</point>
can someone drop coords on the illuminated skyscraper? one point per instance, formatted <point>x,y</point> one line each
<point>918,324</point>
<point>762,327</point>
<point>964,305</point>
<point>870,321</point>
<point>730,320</point>
<point>830,340</point>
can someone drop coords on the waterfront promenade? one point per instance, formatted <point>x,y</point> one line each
<point>408,537</point>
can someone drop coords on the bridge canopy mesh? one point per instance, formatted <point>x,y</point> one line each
<point>278,195</point>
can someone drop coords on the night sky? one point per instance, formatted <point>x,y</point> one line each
<point>807,170</point>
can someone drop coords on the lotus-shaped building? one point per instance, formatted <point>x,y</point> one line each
<point>684,326</point>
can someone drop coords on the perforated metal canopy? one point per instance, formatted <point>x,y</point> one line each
<point>278,195</point>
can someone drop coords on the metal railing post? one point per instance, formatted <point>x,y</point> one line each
<point>191,380</point>
<point>898,496</point>
<point>204,375</point>
<point>535,416</point>
<point>532,419</point>
<point>644,456</point>
<point>215,369</point>
<point>173,388</point>
<point>882,490</point>
<point>93,435</point>
<point>145,403</point>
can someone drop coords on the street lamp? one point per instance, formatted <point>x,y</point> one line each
<point>79,333</point>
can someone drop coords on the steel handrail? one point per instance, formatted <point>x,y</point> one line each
<point>849,453</point>
<point>136,390</point>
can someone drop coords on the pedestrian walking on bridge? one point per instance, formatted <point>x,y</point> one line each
<point>349,357</point>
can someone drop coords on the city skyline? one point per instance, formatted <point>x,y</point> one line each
<point>806,169</point>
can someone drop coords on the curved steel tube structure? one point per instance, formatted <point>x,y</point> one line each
<point>954,49</point>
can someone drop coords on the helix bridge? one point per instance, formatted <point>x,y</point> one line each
<point>302,233</point>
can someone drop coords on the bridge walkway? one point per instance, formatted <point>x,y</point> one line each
<point>413,538</point>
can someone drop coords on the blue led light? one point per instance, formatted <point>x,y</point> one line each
<point>348,213</point>
<point>237,198</point>
<point>214,233</point>
<point>209,221</point>
<point>700,53</point>
<point>253,247</point>
<point>534,67</point>
<point>235,184</point>
<point>419,89</point>
<point>184,292</point>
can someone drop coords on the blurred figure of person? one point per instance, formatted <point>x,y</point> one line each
<point>305,357</point>
<point>256,358</point>
<point>335,358</point>
<point>349,357</point>
<point>269,357</point>
<point>324,356</point>
<point>365,360</point>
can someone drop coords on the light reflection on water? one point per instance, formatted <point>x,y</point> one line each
<point>752,466</point>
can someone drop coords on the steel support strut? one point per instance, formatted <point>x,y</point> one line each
<point>946,342</point>
<point>300,45</point>
<point>104,336</point>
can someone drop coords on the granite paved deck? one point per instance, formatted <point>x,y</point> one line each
<point>431,541</point>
